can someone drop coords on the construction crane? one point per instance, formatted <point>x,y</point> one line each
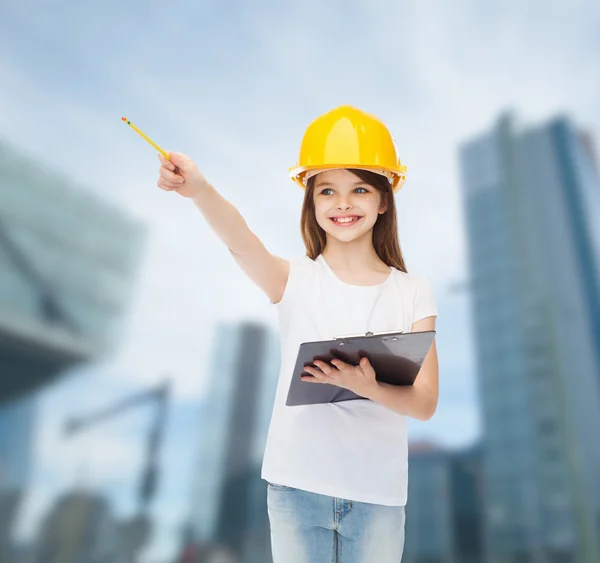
<point>137,530</point>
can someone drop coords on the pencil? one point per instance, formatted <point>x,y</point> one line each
<point>164,153</point>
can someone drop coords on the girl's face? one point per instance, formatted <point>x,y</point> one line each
<point>346,208</point>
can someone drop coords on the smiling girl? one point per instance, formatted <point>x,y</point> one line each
<point>338,472</point>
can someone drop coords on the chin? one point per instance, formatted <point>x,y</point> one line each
<point>346,237</point>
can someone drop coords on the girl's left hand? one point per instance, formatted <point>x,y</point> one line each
<point>358,379</point>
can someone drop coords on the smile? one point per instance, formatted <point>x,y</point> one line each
<point>346,221</point>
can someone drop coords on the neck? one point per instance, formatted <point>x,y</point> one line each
<point>357,255</point>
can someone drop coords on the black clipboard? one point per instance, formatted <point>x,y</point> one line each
<point>396,357</point>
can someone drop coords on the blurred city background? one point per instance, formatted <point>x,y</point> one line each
<point>138,365</point>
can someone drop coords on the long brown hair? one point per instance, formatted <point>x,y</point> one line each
<point>385,230</point>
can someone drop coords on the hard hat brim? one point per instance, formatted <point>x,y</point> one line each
<point>297,173</point>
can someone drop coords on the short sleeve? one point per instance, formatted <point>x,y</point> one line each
<point>424,304</point>
<point>294,276</point>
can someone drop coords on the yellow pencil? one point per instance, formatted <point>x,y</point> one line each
<point>164,153</point>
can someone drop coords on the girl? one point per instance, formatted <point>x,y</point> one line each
<point>336,473</point>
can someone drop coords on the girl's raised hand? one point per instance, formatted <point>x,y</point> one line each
<point>180,174</point>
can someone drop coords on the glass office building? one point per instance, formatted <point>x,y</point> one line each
<point>532,201</point>
<point>68,261</point>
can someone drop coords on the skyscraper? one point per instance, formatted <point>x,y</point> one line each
<point>16,447</point>
<point>532,199</point>
<point>228,507</point>
<point>445,504</point>
<point>16,456</point>
<point>466,494</point>
<point>428,529</point>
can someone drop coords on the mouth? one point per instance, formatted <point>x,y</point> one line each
<point>346,221</point>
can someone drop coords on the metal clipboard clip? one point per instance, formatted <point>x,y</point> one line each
<point>367,334</point>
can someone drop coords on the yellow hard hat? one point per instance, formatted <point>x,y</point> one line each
<point>347,137</point>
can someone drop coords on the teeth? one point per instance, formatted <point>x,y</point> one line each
<point>345,219</point>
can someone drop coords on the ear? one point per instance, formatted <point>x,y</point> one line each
<point>384,204</point>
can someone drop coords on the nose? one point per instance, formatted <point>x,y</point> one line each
<point>343,203</point>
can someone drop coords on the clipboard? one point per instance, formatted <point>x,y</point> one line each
<point>396,357</point>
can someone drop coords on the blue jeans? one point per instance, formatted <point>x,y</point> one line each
<point>311,528</point>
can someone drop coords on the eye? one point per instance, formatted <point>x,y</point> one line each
<point>326,190</point>
<point>364,190</point>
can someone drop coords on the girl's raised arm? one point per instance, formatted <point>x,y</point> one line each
<point>269,272</point>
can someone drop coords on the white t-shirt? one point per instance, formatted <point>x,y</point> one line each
<point>356,450</point>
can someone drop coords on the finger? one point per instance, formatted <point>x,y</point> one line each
<point>170,176</point>
<point>323,366</point>
<point>332,378</point>
<point>167,186</point>
<point>340,365</point>
<point>181,161</point>
<point>317,374</point>
<point>166,162</point>
<point>310,379</point>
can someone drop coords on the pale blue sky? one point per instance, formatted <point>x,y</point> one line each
<point>234,85</point>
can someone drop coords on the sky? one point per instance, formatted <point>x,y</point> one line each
<point>234,85</point>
